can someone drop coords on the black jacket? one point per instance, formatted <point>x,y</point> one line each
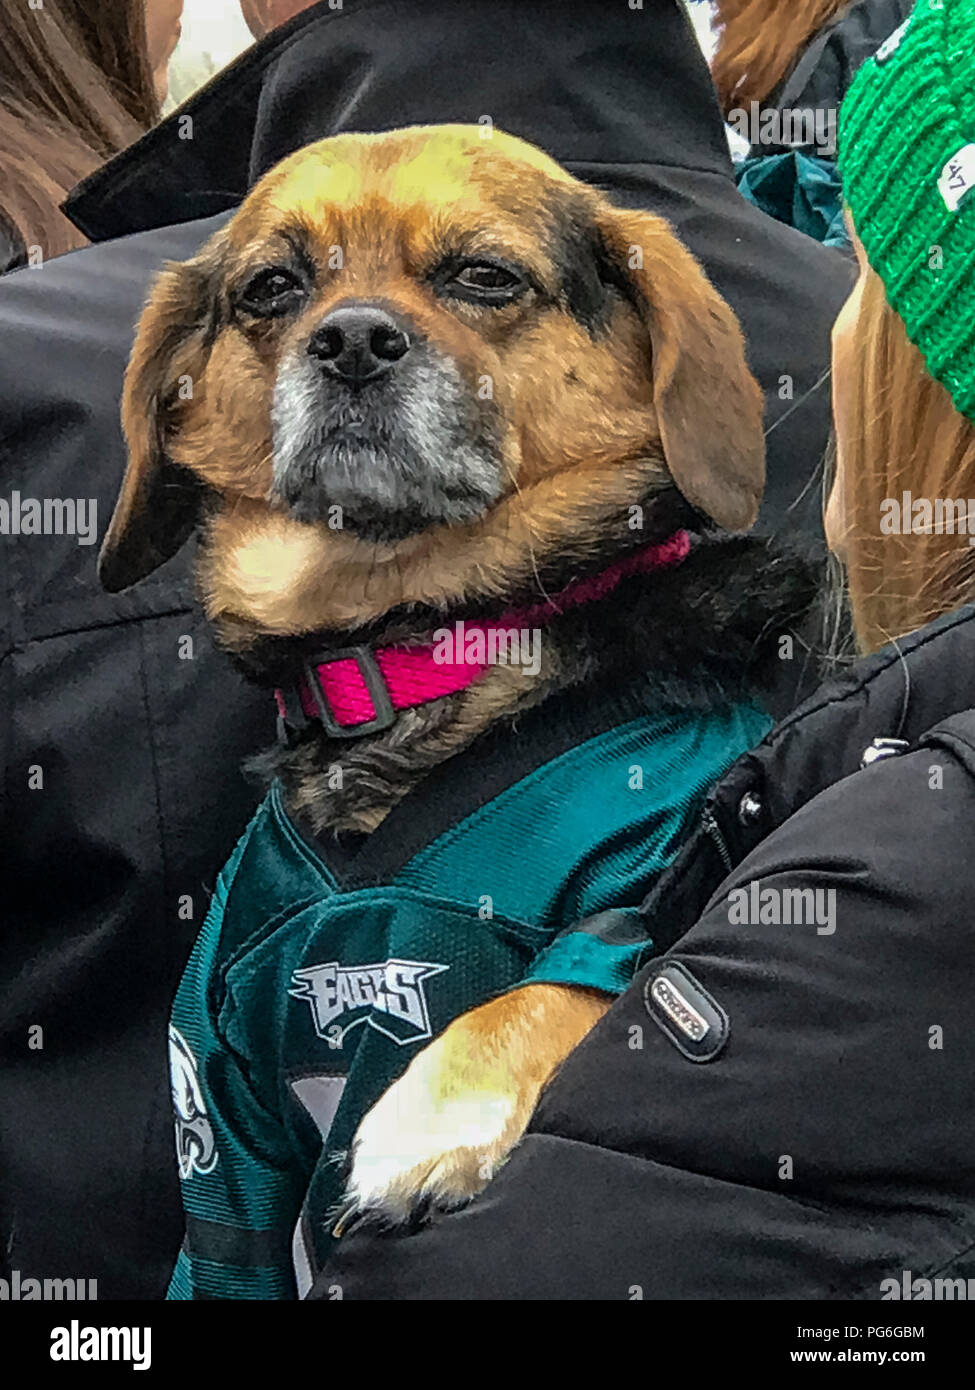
<point>108,866</point>
<point>821,1140</point>
<point>822,76</point>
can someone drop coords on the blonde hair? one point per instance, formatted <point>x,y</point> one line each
<point>905,436</point>
<point>759,43</point>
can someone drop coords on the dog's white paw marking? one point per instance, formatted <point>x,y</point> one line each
<point>416,1147</point>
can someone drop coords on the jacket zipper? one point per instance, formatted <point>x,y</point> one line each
<point>714,831</point>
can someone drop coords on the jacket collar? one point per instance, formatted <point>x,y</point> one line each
<point>609,91</point>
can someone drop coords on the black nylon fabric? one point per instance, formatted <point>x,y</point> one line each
<point>552,71</point>
<point>140,748</point>
<point>644,1171</point>
<point>824,72</point>
<point>822,76</point>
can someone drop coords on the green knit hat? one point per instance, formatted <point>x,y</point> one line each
<point>907,161</point>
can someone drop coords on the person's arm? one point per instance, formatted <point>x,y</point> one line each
<point>825,1147</point>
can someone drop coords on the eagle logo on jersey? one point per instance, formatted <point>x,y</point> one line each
<point>388,996</point>
<point>196,1149</point>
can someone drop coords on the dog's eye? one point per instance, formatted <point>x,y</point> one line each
<point>271,293</point>
<point>484,282</point>
<point>486,277</point>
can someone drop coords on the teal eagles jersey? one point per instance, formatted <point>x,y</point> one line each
<point>323,968</point>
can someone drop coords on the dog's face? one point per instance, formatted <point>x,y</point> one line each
<point>411,365</point>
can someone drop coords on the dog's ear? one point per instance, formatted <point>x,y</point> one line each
<point>158,504</point>
<point>709,406</point>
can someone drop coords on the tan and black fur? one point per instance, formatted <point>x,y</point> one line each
<point>557,384</point>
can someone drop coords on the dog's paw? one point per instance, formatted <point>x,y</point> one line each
<point>440,1133</point>
<point>422,1147</point>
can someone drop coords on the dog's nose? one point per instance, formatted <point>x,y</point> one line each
<point>358,342</point>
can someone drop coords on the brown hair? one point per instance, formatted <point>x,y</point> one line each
<point>760,41</point>
<point>75,88</point>
<point>909,437</point>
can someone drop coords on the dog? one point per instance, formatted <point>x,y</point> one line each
<point>419,378</point>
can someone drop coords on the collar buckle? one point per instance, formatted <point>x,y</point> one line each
<point>372,677</point>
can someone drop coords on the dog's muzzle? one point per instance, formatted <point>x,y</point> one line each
<point>377,432</point>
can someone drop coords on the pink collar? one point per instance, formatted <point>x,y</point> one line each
<point>358,690</point>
